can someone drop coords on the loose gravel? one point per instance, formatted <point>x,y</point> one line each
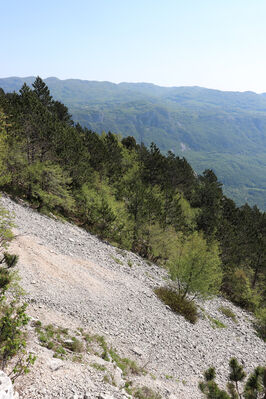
<point>74,279</point>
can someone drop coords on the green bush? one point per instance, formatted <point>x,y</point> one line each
<point>178,303</point>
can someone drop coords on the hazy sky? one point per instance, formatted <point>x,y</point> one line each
<point>211,43</point>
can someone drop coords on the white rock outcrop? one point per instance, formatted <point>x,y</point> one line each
<point>6,387</point>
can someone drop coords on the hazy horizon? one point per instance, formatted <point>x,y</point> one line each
<point>140,82</point>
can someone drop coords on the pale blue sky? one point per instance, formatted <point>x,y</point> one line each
<point>211,43</point>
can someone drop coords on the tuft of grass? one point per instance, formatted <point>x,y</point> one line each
<point>130,264</point>
<point>74,345</point>
<point>216,323</point>
<point>64,346</point>
<point>58,340</point>
<point>59,352</point>
<point>98,367</point>
<point>106,379</point>
<point>146,393</point>
<point>168,377</point>
<point>118,261</point>
<point>178,304</point>
<point>228,313</point>
<point>120,252</point>
<point>128,366</point>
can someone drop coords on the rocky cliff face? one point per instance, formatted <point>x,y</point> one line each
<point>83,286</point>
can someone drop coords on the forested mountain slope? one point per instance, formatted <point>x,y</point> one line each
<point>225,131</point>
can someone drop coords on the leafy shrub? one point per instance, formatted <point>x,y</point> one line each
<point>178,303</point>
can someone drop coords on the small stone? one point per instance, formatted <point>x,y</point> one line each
<point>138,351</point>
<point>55,364</point>
<point>105,396</point>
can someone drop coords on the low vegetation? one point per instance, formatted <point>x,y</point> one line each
<point>145,393</point>
<point>69,345</point>
<point>178,303</point>
<point>228,313</point>
<point>216,323</point>
<point>58,340</point>
<point>13,317</point>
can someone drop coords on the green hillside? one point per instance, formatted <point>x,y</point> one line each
<point>225,131</point>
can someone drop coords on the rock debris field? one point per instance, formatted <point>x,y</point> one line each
<point>73,280</point>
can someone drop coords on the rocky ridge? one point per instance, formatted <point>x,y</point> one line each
<point>74,280</point>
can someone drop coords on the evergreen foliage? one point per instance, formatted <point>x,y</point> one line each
<point>254,388</point>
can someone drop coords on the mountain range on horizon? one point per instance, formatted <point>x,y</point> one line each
<point>224,131</point>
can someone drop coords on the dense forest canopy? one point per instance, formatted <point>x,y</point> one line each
<point>224,131</point>
<point>132,195</point>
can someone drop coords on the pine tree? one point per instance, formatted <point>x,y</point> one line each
<point>42,91</point>
<point>254,388</point>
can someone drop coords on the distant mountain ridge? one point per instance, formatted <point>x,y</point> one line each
<point>225,131</point>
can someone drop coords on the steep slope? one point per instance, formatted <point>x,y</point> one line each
<point>73,280</point>
<point>225,131</point>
